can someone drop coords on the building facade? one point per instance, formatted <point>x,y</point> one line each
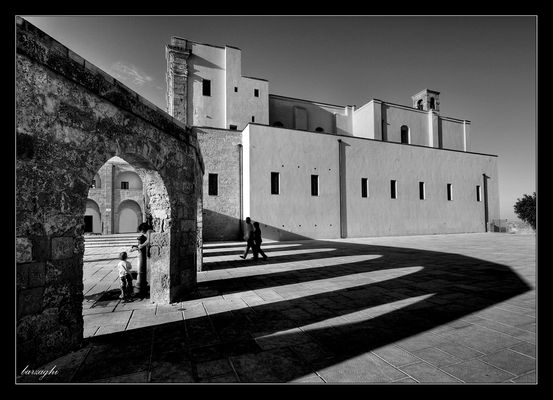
<point>116,202</point>
<point>307,169</point>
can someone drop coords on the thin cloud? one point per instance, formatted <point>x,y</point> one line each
<point>129,73</point>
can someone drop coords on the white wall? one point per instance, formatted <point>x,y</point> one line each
<point>333,119</point>
<point>207,62</point>
<point>298,154</point>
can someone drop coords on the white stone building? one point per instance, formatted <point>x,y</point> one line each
<point>306,169</point>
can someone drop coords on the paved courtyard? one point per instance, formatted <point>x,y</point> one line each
<point>430,309</point>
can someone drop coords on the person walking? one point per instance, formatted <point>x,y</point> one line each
<point>257,242</point>
<point>248,237</point>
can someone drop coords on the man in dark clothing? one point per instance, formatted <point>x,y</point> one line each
<point>248,236</point>
<point>257,242</point>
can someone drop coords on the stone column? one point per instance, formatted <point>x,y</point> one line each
<point>108,190</point>
<point>177,54</point>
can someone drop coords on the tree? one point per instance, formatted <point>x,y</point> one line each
<point>525,209</point>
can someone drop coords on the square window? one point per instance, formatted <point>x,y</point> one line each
<point>275,183</point>
<point>206,87</point>
<point>364,187</point>
<point>422,194</point>
<point>314,185</point>
<point>233,127</point>
<point>256,92</point>
<point>393,189</point>
<point>212,185</point>
<point>124,185</point>
<point>449,192</point>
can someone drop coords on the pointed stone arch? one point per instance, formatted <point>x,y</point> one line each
<point>71,119</point>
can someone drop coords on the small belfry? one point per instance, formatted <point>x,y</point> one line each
<point>427,100</point>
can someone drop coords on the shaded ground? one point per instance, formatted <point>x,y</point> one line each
<point>430,309</point>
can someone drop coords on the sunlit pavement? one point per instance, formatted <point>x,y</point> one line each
<point>429,309</point>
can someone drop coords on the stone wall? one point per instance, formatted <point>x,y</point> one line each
<point>71,118</point>
<point>221,213</point>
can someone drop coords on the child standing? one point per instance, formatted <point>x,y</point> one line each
<point>124,267</point>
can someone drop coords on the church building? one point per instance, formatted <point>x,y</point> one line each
<point>307,169</point>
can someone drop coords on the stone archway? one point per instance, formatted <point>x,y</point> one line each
<point>129,216</point>
<point>93,212</point>
<point>72,118</point>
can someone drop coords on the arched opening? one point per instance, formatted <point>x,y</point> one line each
<point>96,182</point>
<point>419,104</point>
<point>278,124</point>
<point>405,134</point>
<point>319,129</point>
<point>92,217</point>
<point>128,180</point>
<point>71,120</point>
<point>432,103</point>
<point>129,215</point>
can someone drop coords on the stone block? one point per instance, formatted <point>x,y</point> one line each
<point>75,57</point>
<point>41,248</point>
<point>62,247</point>
<point>24,250</point>
<point>35,274</point>
<point>29,301</point>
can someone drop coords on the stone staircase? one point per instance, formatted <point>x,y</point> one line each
<point>116,240</point>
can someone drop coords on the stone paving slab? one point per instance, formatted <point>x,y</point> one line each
<point>417,309</point>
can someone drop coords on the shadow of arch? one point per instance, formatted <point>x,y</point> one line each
<point>416,291</point>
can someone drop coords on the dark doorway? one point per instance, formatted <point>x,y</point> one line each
<point>88,223</point>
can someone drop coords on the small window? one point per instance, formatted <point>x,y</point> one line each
<point>93,184</point>
<point>419,104</point>
<point>422,194</point>
<point>393,189</point>
<point>233,127</point>
<point>213,186</point>
<point>236,89</point>
<point>319,129</point>
<point>278,124</point>
<point>275,183</point>
<point>364,187</point>
<point>432,103</point>
<point>478,193</point>
<point>405,134</point>
<point>124,185</point>
<point>253,118</point>
<point>449,192</point>
<point>256,92</point>
<point>314,185</point>
<point>206,87</point>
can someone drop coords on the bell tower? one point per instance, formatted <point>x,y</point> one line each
<point>177,54</point>
<point>427,100</point>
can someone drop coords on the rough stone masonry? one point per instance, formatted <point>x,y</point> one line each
<point>71,118</point>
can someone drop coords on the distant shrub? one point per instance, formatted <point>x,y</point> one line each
<point>525,209</point>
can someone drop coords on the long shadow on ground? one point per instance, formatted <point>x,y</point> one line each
<point>450,286</point>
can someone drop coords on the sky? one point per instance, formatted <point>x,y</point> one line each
<point>483,66</point>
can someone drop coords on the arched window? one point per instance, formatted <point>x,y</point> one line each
<point>278,124</point>
<point>319,129</point>
<point>432,103</point>
<point>405,134</point>
<point>419,104</point>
